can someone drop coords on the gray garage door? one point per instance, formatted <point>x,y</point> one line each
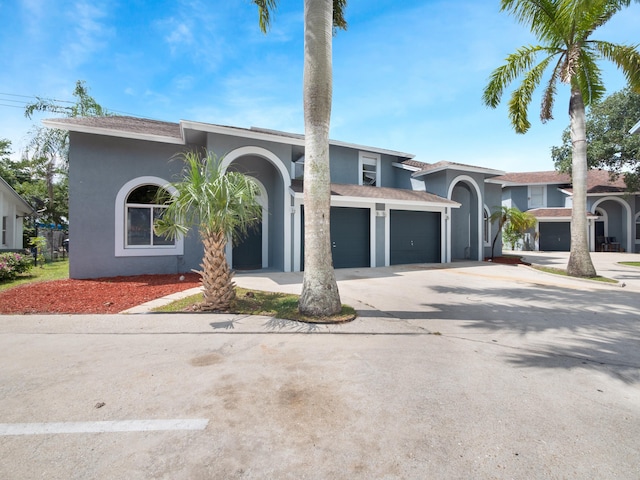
<point>555,236</point>
<point>350,237</point>
<point>415,237</point>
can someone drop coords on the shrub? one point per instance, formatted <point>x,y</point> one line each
<point>12,264</point>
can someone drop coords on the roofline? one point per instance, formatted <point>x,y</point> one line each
<point>462,168</point>
<point>18,197</point>
<point>280,137</point>
<point>507,183</point>
<point>350,198</point>
<point>112,132</point>
<point>601,194</point>
<point>406,167</point>
<point>635,129</point>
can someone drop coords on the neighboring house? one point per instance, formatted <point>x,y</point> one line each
<point>386,207</point>
<point>13,209</point>
<point>613,214</point>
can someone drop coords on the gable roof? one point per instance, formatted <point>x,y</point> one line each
<point>598,181</point>
<point>635,129</point>
<point>381,193</point>
<point>177,133</point>
<point>23,205</point>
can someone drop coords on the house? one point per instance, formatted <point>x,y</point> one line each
<point>613,214</point>
<point>386,207</point>
<point>13,209</point>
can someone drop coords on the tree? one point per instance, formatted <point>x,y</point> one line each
<point>610,145</point>
<point>564,28</point>
<point>320,296</point>
<point>514,220</point>
<point>46,155</point>
<point>222,205</point>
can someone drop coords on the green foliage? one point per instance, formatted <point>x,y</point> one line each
<point>513,222</point>
<point>40,244</point>
<point>563,28</point>
<point>610,145</point>
<point>13,264</point>
<point>212,200</point>
<point>58,270</point>
<point>255,302</point>
<point>41,175</point>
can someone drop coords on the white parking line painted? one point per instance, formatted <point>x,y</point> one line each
<point>7,429</point>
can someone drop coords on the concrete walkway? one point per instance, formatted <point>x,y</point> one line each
<point>472,370</point>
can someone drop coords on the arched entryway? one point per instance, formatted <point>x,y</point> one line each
<point>618,225</point>
<point>466,225</point>
<point>268,246</point>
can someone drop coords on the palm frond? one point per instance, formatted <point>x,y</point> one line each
<point>589,77</point>
<point>521,97</point>
<point>625,57</point>
<point>265,9</point>
<point>515,65</point>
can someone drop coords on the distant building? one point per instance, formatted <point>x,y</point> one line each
<point>13,209</point>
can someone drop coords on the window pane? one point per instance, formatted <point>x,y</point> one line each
<point>147,194</point>
<point>159,240</point>
<point>368,174</point>
<point>138,226</point>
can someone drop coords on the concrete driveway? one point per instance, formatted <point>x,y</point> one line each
<point>469,371</point>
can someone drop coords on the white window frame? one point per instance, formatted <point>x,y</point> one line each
<point>121,247</point>
<point>530,196</point>
<point>367,158</point>
<point>5,227</point>
<point>486,223</point>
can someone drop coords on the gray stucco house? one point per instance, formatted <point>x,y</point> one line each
<point>13,209</point>
<point>613,213</point>
<point>387,208</point>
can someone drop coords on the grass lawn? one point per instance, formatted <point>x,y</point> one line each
<point>560,271</point>
<point>630,264</point>
<point>256,302</point>
<point>57,270</point>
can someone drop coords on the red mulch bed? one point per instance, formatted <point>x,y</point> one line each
<point>100,295</point>
<point>509,260</point>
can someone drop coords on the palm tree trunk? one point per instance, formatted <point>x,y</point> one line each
<point>320,296</point>
<point>580,264</point>
<point>216,276</point>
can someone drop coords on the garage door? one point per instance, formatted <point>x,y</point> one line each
<point>415,237</point>
<point>350,237</point>
<point>555,236</point>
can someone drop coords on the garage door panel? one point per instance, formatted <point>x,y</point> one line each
<point>414,237</point>
<point>555,236</point>
<point>350,237</point>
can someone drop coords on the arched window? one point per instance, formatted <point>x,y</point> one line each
<point>145,204</point>
<point>138,204</point>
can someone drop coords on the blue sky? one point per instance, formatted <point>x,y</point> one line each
<point>408,75</point>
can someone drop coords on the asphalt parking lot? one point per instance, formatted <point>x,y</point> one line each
<point>469,371</point>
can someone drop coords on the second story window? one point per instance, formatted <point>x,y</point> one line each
<point>537,197</point>
<point>369,166</point>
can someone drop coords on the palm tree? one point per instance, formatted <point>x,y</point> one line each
<point>519,221</point>
<point>564,29</point>
<point>222,205</point>
<point>320,296</point>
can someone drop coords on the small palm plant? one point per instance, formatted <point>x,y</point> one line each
<point>222,206</point>
<point>518,222</point>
